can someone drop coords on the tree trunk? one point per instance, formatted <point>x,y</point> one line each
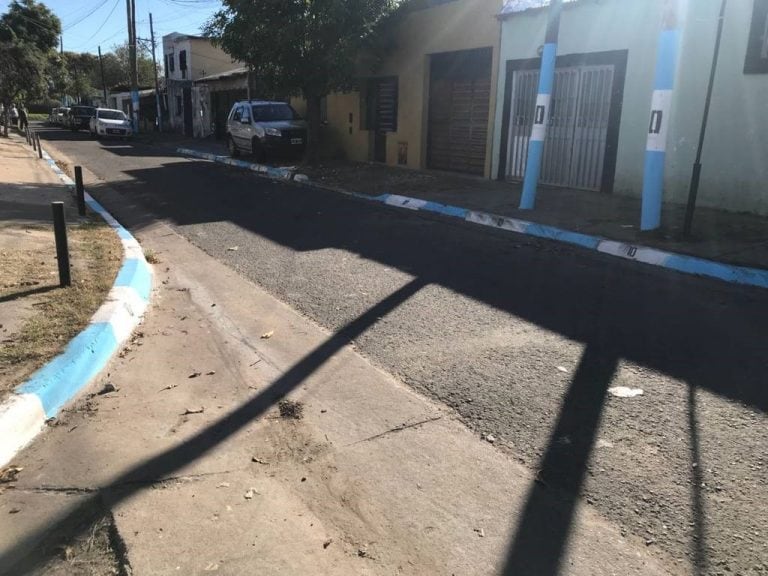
<point>313,119</point>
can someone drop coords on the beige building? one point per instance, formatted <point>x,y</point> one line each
<point>432,102</point>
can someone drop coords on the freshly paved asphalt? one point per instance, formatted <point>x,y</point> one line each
<point>521,337</point>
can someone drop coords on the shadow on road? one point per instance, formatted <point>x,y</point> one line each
<point>543,528</point>
<point>697,331</point>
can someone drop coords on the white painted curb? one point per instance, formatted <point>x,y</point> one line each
<point>23,415</point>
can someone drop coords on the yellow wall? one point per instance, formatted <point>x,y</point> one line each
<point>457,25</point>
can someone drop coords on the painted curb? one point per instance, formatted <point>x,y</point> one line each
<point>670,260</point>
<point>270,171</point>
<point>23,415</point>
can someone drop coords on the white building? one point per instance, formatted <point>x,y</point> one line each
<point>187,58</point>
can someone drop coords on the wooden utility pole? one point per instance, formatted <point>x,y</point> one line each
<point>157,82</point>
<point>133,63</point>
<point>103,82</point>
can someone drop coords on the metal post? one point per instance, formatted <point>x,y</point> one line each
<point>541,115</point>
<point>26,130</point>
<point>62,249</point>
<point>80,190</point>
<point>157,82</point>
<point>34,141</point>
<point>693,191</point>
<point>39,148</point>
<point>103,82</point>
<point>134,64</point>
<point>661,104</point>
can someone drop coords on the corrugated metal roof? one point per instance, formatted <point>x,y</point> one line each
<point>223,75</point>
<point>513,6</point>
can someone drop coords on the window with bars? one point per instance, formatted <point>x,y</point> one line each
<point>183,63</point>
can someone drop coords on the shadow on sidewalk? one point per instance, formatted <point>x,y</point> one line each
<point>27,555</point>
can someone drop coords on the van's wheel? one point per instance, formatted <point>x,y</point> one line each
<point>232,147</point>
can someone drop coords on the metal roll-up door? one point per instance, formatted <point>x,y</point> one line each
<point>459,101</point>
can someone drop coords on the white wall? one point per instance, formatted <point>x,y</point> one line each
<point>735,173</point>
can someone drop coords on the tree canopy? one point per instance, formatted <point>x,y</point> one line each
<point>30,22</point>
<point>295,47</point>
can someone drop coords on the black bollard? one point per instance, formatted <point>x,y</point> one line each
<point>62,248</point>
<point>80,190</point>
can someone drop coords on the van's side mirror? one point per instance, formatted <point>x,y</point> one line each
<point>245,120</point>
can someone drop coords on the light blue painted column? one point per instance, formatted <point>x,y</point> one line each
<point>541,115</point>
<point>135,102</point>
<point>658,126</point>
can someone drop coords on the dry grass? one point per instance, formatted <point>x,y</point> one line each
<point>151,257</point>
<point>58,315</point>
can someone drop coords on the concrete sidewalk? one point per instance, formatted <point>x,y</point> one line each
<point>202,473</point>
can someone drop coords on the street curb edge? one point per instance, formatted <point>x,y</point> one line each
<point>677,262</point>
<point>23,415</point>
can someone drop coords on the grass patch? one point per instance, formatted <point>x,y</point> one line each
<point>37,116</point>
<point>60,314</point>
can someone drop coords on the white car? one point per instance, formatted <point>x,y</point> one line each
<point>109,122</point>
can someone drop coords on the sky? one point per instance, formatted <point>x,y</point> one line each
<point>88,24</point>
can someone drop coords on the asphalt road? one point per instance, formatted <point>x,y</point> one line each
<point>522,337</point>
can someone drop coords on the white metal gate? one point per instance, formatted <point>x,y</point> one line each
<point>574,150</point>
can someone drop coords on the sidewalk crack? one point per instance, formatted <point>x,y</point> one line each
<point>399,428</point>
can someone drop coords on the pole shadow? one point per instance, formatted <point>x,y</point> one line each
<point>545,523</point>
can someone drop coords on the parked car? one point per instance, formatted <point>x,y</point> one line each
<point>262,127</point>
<point>62,114</point>
<point>80,117</point>
<point>109,122</point>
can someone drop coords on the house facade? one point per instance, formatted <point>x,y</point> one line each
<point>186,59</point>
<point>431,103</point>
<point>601,99</point>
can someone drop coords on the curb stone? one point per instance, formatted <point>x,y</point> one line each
<point>23,415</point>
<point>685,264</point>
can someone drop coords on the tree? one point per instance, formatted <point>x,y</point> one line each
<point>295,47</point>
<point>117,67</point>
<point>21,75</point>
<point>30,22</point>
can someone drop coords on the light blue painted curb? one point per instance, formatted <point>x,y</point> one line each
<point>23,415</point>
<point>269,171</point>
<point>669,260</point>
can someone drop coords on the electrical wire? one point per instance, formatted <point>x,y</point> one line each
<point>85,17</point>
<point>102,24</point>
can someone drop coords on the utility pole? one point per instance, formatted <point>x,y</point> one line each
<point>661,106</point>
<point>693,191</point>
<point>131,11</point>
<point>543,100</point>
<point>157,82</point>
<point>103,82</point>
<point>61,53</point>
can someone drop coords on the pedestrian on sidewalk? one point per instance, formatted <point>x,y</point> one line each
<point>14,115</point>
<point>22,118</point>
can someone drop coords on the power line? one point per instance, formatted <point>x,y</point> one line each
<point>103,23</point>
<point>86,16</point>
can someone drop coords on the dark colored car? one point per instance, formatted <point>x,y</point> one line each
<point>262,128</point>
<point>80,117</point>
